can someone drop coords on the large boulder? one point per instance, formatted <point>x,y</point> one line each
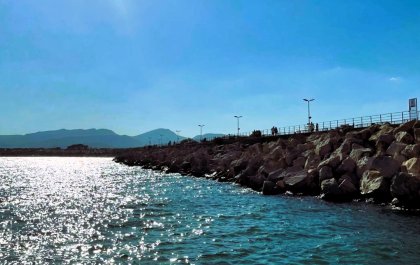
<point>386,165</point>
<point>386,139</point>
<point>405,188</point>
<point>239,165</point>
<point>277,152</point>
<point>290,155</point>
<point>270,188</point>
<point>325,144</point>
<point>332,162</point>
<point>347,186</point>
<point>325,172</point>
<point>405,127</point>
<point>341,190</point>
<point>404,137</point>
<point>374,185</point>
<point>255,182</point>
<point>384,129</point>
<point>276,175</point>
<point>303,182</point>
<point>330,189</point>
<point>358,153</point>
<point>272,165</point>
<point>412,166</point>
<point>416,133</point>
<point>412,150</point>
<point>299,162</point>
<point>347,166</point>
<point>395,149</point>
<point>312,161</point>
<point>363,165</point>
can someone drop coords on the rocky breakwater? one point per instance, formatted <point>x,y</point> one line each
<point>380,163</point>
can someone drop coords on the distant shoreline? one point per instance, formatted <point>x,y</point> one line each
<point>42,152</point>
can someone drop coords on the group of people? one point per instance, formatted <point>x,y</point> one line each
<point>274,131</point>
<point>311,128</point>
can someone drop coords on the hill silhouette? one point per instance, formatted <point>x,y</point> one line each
<point>97,138</point>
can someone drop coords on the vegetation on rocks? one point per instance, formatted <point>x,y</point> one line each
<point>380,163</point>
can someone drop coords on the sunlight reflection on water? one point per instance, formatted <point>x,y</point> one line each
<point>92,210</point>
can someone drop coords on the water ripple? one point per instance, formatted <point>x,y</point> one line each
<point>91,210</point>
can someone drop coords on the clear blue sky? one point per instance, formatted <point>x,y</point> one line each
<point>132,66</point>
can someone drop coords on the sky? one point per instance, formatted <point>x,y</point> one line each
<point>135,65</point>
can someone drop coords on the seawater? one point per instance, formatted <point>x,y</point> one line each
<point>94,211</point>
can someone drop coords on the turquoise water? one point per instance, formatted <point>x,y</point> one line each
<point>94,211</point>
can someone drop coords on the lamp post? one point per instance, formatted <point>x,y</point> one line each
<point>177,134</point>
<point>201,131</point>
<point>237,118</point>
<point>309,110</point>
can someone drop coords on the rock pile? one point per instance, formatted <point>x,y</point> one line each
<point>379,163</point>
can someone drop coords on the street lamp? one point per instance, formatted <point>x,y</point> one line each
<point>238,117</point>
<point>177,134</point>
<point>201,131</point>
<point>309,111</point>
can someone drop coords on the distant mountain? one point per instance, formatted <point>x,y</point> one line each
<point>98,138</point>
<point>158,136</point>
<point>63,138</point>
<point>208,136</point>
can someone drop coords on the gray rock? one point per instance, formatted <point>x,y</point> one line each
<point>412,166</point>
<point>347,166</point>
<point>405,127</point>
<point>325,172</point>
<point>404,137</point>
<point>395,149</point>
<point>347,186</point>
<point>329,189</point>
<point>362,165</point>
<point>384,129</point>
<point>386,165</point>
<point>302,182</point>
<point>276,175</point>
<point>412,150</point>
<point>358,153</point>
<point>386,138</point>
<point>332,162</point>
<point>405,188</point>
<point>299,162</point>
<point>312,161</point>
<point>375,186</point>
<point>416,132</point>
<point>270,188</point>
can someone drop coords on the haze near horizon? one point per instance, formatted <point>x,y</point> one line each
<point>134,66</point>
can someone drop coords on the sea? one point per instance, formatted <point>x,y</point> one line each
<point>56,210</point>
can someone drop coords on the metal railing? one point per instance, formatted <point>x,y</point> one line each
<point>357,122</point>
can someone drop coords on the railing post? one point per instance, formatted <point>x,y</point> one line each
<point>322,125</point>
<point>380,118</point>
<point>370,120</point>
<point>402,117</point>
<point>391,118</point>
<point>361,120</point>
<point>330,125</point>
<point>337,124</point>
